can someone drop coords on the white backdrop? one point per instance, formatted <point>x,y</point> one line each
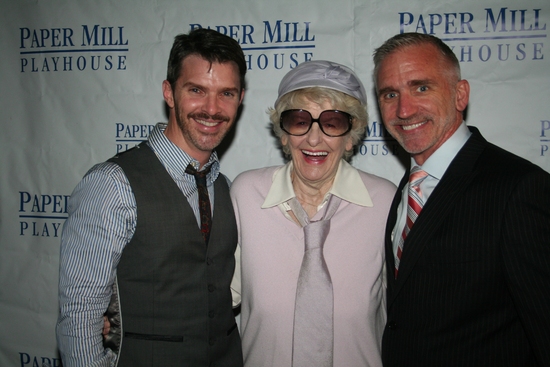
<point>82,80</point>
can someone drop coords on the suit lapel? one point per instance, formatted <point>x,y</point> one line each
<point>448,191</point>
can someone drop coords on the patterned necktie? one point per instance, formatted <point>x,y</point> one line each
<point>415,204</point>
<point>204,202</point>
<point>313,313</point>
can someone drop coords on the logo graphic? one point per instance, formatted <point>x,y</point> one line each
<point>91,47</point>
<point>28,360</point>
<point>42,215</point>
<point>504,34</point>
<point>271,45</point>
<point>128,136</point>
<point>378,142</point>
<point>544,138</point>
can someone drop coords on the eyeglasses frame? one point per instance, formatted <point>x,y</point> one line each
<point>317,120</point>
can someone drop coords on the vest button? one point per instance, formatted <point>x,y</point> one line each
<point>392,325</point>
<point>211,314</point>
<point>209,261</point>
<point>211,287</point>
<point>212,341</point>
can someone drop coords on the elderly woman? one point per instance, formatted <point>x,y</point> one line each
<point>311,232</point>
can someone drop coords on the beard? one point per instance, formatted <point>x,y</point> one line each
<point>201,140</point>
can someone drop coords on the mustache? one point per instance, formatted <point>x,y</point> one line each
<point>205,116</point>
<point>409,120</point>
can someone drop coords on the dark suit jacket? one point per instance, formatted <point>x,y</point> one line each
<point>474,279</point>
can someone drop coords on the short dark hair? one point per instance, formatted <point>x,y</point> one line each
<point>404,40</point>
<point>208,44</point>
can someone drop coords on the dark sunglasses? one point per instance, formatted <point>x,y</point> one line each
<point>333,123</point>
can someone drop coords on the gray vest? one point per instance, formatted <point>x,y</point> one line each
<point>173,291</point>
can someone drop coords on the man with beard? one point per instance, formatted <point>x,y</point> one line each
<point>468,234</point>
<point>151,235</point>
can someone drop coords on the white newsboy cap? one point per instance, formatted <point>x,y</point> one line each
<point>324,74</point>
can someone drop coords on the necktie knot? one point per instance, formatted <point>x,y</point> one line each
<point>315,234</point>
<point>199,175</point>
<point>417,176</point>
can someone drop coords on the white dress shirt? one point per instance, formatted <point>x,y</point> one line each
<point>435,166</point>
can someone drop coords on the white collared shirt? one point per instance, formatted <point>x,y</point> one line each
<point>347,186</point>
<point>435,166</point>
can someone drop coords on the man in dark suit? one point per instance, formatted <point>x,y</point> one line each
<point>468,253</point>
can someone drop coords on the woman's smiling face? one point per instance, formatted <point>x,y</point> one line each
<point>315,155</point>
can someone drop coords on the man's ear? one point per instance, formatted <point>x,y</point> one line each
<point>462,94</point>
<point>242,96</point>
<point>168,93</point>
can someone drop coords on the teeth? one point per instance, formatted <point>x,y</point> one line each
<point>314,153</point>
<point>206,123</point>
<point>411,127</point>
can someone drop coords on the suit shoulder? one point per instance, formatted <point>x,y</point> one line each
<point>497,159</point>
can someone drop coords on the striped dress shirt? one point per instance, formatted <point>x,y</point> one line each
<point>102,220</point>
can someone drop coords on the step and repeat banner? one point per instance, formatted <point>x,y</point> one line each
<point>81,81</point>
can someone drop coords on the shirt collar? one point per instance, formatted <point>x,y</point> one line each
<point>439,161</point>
<point>347,185</point>
<point>176,160</point>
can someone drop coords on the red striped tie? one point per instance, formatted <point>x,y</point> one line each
<point>415,203</point>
